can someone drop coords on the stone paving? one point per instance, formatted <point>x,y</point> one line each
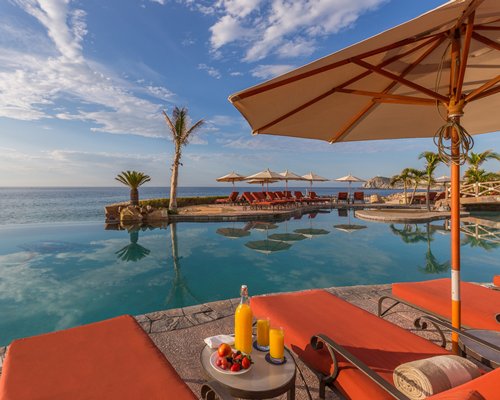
<point>179,333</point>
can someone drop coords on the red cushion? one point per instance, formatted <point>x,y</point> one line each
<point>488,386</point>
<point>378,343</point>
<point>479,304</point>
<point>112,359</point>
<point>496,280</point>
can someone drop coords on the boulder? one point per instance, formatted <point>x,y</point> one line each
<point>157,215</point>
<point>130,214</point>
<point>375,198</point>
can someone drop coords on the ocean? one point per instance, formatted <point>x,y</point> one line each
<point>32,205</point>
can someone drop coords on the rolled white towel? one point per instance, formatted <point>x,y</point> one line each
<point>422,378</point>
<point>215,341</point>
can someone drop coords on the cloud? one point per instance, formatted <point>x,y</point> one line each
<point>270,71</point>
<point>236,73</point>
<point>213,72</point>
<point>33,85</point>
<point>288,28</point>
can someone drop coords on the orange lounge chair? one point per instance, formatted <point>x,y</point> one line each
<point>276,200</point>
<point>112,359</point>
<point>281,196</point>
<point>496,280</point>
<point>358,196</point>
<point>377,346</point>
<point>260,200</point>
<point>342,196</point>
<point>318,199</point>
<point>299,197</point>
<point>232,198</point>
<point>480,305</point>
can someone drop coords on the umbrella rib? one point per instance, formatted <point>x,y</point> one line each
<point>343,85</point>
<point>481,91</point>
<point>325,68</point>
<point>348,126</point>
<point>400,80</point>
<point>465,54</point>
<point>486,28</point>
<point>395,97</point>
<point>471,8</point>
<point>486,41</point>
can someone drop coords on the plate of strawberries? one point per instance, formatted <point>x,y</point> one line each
<point>229,361</point>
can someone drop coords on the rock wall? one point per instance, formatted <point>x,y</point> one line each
<point>380,182</point>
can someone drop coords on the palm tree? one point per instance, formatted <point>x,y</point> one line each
<point>405,178</point>
<point>480,175</point>
<point>432,160</point>
<point>416,177</point>
<point>181,131</point>
<point>133,251</point>
<point>432,265</point>
<point>133,180</point>
<point>475,160</point>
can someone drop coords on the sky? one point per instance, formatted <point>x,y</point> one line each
<point>83,84</point>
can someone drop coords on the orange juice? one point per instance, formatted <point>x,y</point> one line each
<point>263,332</point>
<point>243,324</point>
<point>276,343</point>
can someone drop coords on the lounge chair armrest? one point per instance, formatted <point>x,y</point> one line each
<point>214,390</point>
<point>317,342</point>
<point>420,323</point>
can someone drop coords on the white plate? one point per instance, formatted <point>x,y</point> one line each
<point>213,359</point>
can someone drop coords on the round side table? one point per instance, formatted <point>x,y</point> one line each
<point>262,381</point>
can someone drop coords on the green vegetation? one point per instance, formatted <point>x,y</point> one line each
<point>181,201</point>
<point>405,177</point>
<point>474,174</point>
<point>181,132</point>
<point>133,179</point>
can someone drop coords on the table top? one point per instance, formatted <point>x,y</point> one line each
<point>479,351</point>
<point>261,381</point>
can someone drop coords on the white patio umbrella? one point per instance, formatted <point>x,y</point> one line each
<point>267,176</point>
<point>402,83</point>
<point>444,180</point>
<point>312,177</point>
<point>290,176</point>
<point>261,182</point>
<point>349,178</point>
<point>231,177</point>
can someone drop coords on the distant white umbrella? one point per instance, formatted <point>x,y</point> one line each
<point>267,176</point>
<point>261,182</point>
<point>231,177</point>
<point>312,177</point>
<point>290,176</point>
<point>444,180</point>
<point>350,178</point>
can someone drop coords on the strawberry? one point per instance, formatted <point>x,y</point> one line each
<point>235,367</point>
<point>245,363</point>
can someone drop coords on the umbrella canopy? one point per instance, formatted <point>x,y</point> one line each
<point>267,176</point>
<point>267,246</point>
<point>350,178</point>
<point>401,83</point>
<point>310,232</point>
<point>287,237</point>
<point>290,176</point>
<point>443,179</point>
<point>261,182</point>
<point>312,177</point>
<point>233,233</point>
<point>231,177</point>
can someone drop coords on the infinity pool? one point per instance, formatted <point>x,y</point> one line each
<point>57,276</point>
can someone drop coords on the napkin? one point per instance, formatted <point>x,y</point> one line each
<point>215,341</point>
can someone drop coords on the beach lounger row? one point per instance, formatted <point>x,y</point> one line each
<point>277,199</point>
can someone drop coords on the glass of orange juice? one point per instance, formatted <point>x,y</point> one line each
<point>263,334</point>
<point>277,344</point>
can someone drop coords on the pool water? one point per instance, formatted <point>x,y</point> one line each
<point>54,276</point>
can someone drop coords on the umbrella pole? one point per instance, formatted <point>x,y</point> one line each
<point>455,242</point>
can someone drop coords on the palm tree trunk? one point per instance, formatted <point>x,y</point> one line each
<point>413,193</point>
<point>134,197</point>
<point>427,199</point>
<point>172,206</point>
<point>404,191</point>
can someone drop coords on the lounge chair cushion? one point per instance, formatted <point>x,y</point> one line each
<point>479,304</point>
<point>486,386</point>
<point>378,343</point>
<point>496,280</point>
<point>112,359</point>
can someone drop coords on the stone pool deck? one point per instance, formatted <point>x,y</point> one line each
<point>179,333</point>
